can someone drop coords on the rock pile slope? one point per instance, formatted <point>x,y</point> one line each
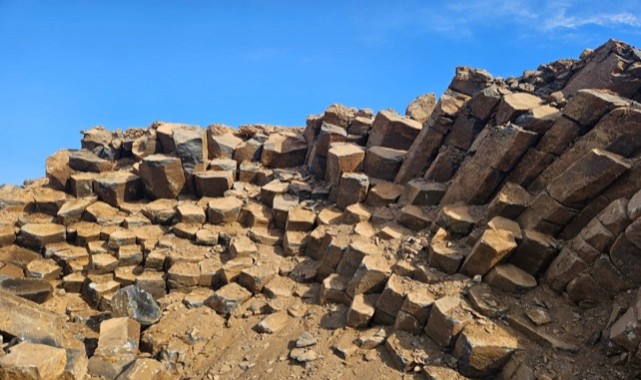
<point>494,233</point>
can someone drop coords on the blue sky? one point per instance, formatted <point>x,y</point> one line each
<point>69,65</point>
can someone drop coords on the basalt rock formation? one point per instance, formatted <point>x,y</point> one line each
<point>494,233</point>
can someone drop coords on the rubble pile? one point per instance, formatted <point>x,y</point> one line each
<point>494,233</point>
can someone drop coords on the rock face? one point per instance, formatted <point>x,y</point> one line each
<point>266,252</point>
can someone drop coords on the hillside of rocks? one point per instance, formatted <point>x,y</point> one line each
<point>493,233</point>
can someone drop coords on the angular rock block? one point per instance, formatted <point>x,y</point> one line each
<point>515,104</point>
<point>343,158</point>
<point>383,194</point>
<point>492,247</point>
<point>483,348</point>
<point>447,319</point>
<point>509,202</point>
<point>221,145</point>
<point>393,131</point>
<point>33,361</point>
<point>163,176</point>
<point>587,177</point>
<point>284,150</point>
<point>535,252</point>
<point>86,161</point>
<point>382,162</point>
<point>224,210</point>
<point>352,189</point>
<point>422,193</point>
<point>510,278</point>
<point>214,183</point>
<point>362,310</point>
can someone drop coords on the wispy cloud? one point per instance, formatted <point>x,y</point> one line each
<point>548,19</point>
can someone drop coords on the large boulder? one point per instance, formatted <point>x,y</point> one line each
<point>162,175</point>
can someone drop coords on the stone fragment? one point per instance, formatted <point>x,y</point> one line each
<point>354,255</point>
<point>249,150</point>
<point>137,304</point>
<point>227,298</point>
<point>29,361</point>
<point>191,213</point>
<point>539,119</point>
<point>560,135</point>
<point>483,348</point>
<point>183,274</point>
<point>352,189</point>
<point>470,81</point>
<point>223,210</point>
<point>162,175</point>
<point>48,201</point>
<point>382,162</point>
<point>393,131</point>
<point>144,368</point>
<point>484,102</point>
<point>273,323</point>
<point>492,247</point>
<point>503,147</point>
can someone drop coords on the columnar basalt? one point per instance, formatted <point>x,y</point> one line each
<point>462,239</point>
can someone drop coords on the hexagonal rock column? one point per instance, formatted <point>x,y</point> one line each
<point>488,251</point>
<point>213,183</point>
<point>284,150</point>
<point>587,177</point>
<point>393,131</point>
<point>162,175</point>
<point>383,163</point>
<point>483,348</point>
<point>224,210</point>
<point>352,189</point>
<point>343,158</point>
<point>118,187</point>
<point>37,236</point>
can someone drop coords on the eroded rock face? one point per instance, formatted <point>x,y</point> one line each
<point>180,252</point>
